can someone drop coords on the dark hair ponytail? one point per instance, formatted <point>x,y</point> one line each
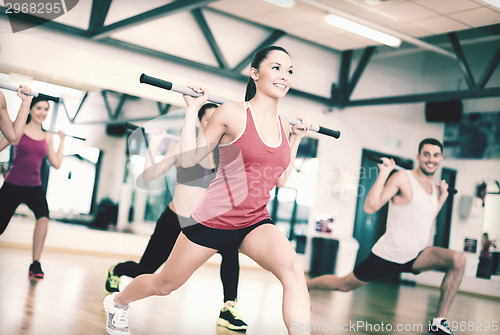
<point>258,57</point>
<point>251,89</point>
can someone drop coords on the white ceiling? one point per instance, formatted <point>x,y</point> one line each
<point>416,18</point>
<point>239,26</point>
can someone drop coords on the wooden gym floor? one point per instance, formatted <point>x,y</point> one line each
<point>69,302</point>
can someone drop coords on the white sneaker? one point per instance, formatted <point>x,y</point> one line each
<point>440,326</point>
<point>117,317</point>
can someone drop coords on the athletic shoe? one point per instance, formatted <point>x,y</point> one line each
<point>440,327</point>
<point>112,282</point>
<point>230,318</point>
<point>116,317</point>
<point>36,270</point>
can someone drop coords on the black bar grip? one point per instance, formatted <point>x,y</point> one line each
<point>145,79</point>
<point>329,132</point>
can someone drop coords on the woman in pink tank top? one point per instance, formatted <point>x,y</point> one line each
<point>23,183</point>
<point>256,154</point>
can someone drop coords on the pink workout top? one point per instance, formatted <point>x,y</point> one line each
<point>28,156</point>
<point>248,171</point>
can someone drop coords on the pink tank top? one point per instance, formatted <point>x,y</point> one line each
<point>28,156</point>
<point>248,171</point>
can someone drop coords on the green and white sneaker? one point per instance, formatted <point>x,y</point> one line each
<point>230,318</point>
<point>112,282</point>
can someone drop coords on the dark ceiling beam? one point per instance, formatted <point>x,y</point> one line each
<point>462,60</point>
<point>226,73</point>
<point>171,58</point>
<point>98,14</point>
<point>264,27</point>
<point>360,68</point>
<point>163,108</point>
<point>275,35</point>
<point>472,34</point>
<point>340,93</point>
<point>309,96</point>
<point>168,9</point>
<point>425,97</point>
<point>113,115</point>
<point>72,119</point>
<point>202,23</point>
<point>483,34</point>
<point>489,70</point>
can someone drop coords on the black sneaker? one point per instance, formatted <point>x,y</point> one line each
<point>112,282</point>
<point>443,328</point>
<point>36,270</point>
<point>230,318</point>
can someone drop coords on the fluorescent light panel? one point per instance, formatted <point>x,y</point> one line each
<point>361,30</point>
<point>282,3</point>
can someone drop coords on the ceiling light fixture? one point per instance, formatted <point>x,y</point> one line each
<point>359,20</point>
<point>495,3</point>
<point>362,30</point>
<point>282,3</point>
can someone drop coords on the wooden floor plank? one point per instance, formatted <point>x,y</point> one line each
<point>69,301</point>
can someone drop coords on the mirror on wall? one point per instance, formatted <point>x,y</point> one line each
<point>147,200</point>
<point>490,248</point>
<point>290,205</point>
<point>71,189</point>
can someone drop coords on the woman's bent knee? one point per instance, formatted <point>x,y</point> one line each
<point>345,288</point>
<point>294,270</point>
<point>458,261</point>
<point>164,287</point>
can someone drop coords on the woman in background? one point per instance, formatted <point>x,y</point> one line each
<point>23,183</point>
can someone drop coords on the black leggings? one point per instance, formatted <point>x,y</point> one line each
<point>160,246</point>
<point>11,196</point>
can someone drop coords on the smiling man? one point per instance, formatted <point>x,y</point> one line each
<point>414,203</point>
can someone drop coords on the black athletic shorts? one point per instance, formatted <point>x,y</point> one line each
<point>11,196</point>
<point>219,239</point>
<point>375,267</point>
